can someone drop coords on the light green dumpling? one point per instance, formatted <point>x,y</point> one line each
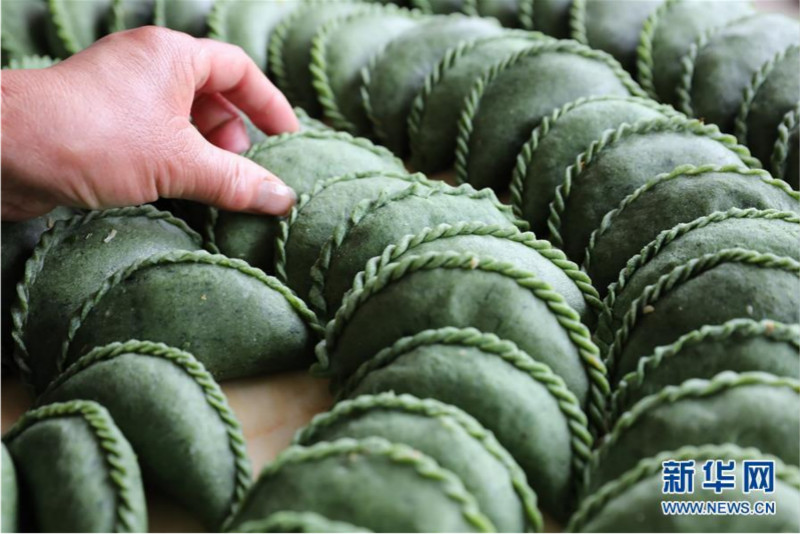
<point>76,471</point>
<point>383,486</point>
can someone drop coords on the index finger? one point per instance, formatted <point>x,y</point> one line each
<point>224,68</point>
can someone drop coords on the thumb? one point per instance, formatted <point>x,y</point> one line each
<point>214,176</point>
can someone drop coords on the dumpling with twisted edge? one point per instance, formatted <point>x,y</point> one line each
<point>373,483</point>
<point>70,262</point>
<point>76,471</point>
<point>234,319</point>
<point>24,28</point>
<point>75,24</point>
<point>520,400</point>
<point>189,443</point>
<point>448,435</point>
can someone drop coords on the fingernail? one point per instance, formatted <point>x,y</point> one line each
<point>275,198</point>
<point>240,142</point>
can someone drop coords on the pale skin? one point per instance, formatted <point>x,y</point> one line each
<point>139,115</point>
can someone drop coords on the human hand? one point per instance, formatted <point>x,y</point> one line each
<point>111,126</point>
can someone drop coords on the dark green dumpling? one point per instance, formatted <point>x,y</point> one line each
<point>515,95</point>
<point>721,64</point>
<point>286,521</point>
<point>506,11</point>
<point>234,319</point>
<point>769,231</point>
<point>188,441</point>
<point>70,263</point>
<point>300,160</point>
<point>24,28</point>
<point>136,13</point>
<point>448,435</point>
<point>76,471</point>
<point>395,76</point>
<point>188,16</point>
<point>562,137</point>
<point>10,493</point>
<point>632,503</point>
<point>624,160</point>
<point>75,24</point>
<point>747,409</point>
<point>383,486</point>
<point>740,345</point>
<point>785,162</point>
<point>550,17</point>
<point>505,389</point>
<point>681,196</point>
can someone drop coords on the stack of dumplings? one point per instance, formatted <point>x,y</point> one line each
<point>607,277</point>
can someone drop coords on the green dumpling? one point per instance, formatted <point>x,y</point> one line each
<point>738,345</point>
<point>188,441</point>
<point>375,224</point>
<point>738,408</point>
<point>448,435</point>
<point>667,35</point>
<point>287,521</point>
<point>290,48</point>
<point>767,287</point>
<point>341,49</point>
<point>395,75</point>
<point>75,24</point>
<point>136,13</point>
<point>383,486</point>
<point>515,95</point>
<point>433,122</point>
<point>632,503</point>
<point>248,24</point>
<point>10,493</point>
<point>506,11</point>
<point>681,196</point>
<point>550,17</point>
<point>316,216</point>
<point>76,471</point>
<point>188,16</point>
<point>721,63</point>
<point>300,159</point>
<point>559,139</point>
<point>771,231</point>
<point>70,263</point>
<point>517,398</point>
<point>24,28</point>
<point>625,159</point>
<point>443,7</point>
<point>441,289</point>
<point>31,62</point>
<point>612,25</point>
<point>784,162</point>
<point>235,320</point>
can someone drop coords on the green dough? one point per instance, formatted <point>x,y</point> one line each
<point>624,160</point>
<point>516,397</point>
<point>506,11</point>
<point>300,160</point>
<point>70,263</point>
<point>739,345</point>
<point>448,435</point>
<point>31,62</point>
<point>720,65</point>
<point>772,93</point>
<point>290,48</point>
<point>562,137</point>
<point>188,16</point>
<point>248,24</point>
<point>442,289</point>
<point>383,486</point>
<point>314,219</point>
<point>373,225</point>
<point>513,97</point>
<point>189,444</point>
<point>341,49</point>
<point>19,240</point>
<point>681,196</point>
<point>75,24</point>
<point>612,25</point>
<point>547,16</point>
<point>633,503</point>
<point>10,494</point>
<point>433,123</point>
<point>506,244</point>
<point>235,320</point>
<point>767,287</point>
<point>24,27</point>
<point>769,231</point>
<point>286,521</point>
<point>395,76</point>
<point>738,408</point>
<point>76,471</point>
<point>669,33</point>
<point>784,160</point>
<point>306,123</point>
